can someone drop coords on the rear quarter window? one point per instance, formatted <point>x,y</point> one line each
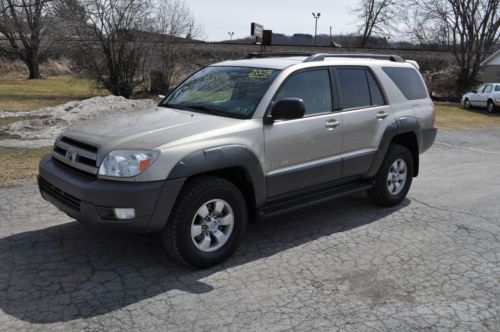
<point>408,81</point>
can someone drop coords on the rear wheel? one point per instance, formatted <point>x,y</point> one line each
<point>207,223</point>
<point>491,107</point>
<point>394,177</point>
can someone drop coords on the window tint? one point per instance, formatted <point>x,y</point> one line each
<point>488,89</point>
<point>375,93</point>
<point>353,87</point>
<point>313,87</point>
<point>497,88</point>
<point>408,81</point>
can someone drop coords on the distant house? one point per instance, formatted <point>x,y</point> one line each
<point>491,68</point>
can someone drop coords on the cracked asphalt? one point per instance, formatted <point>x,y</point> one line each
<point>432,263</point>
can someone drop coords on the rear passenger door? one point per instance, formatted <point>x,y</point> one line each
<point>365,115</point>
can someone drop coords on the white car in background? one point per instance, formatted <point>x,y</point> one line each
<point>487,95</point>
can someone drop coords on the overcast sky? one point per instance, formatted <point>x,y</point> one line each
<point>218,17</point>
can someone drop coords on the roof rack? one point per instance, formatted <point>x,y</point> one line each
<point>278,54</point>
<point>322,56</point>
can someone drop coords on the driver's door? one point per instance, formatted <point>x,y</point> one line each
<point>475,99</point>
<point>304,152</point>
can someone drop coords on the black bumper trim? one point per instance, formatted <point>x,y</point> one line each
<point>82,198</point>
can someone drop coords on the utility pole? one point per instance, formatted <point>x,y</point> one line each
<point>316,16</point>
<point>231,34</point>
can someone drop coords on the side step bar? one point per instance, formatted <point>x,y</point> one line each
<point>285,205</point>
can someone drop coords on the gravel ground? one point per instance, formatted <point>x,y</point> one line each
<point>47,123</point>
<point>432,263</point>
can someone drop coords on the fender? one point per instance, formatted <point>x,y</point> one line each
<point>396,127</point>
<point>218,158</point>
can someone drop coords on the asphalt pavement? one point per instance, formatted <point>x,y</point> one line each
<point>432,263</point>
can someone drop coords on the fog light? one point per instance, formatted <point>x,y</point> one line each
<point>124,214</point>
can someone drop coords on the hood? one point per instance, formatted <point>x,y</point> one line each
<point>146,129</point>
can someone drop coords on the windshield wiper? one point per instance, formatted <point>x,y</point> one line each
<point>206,109</point>
<point>176,106</point>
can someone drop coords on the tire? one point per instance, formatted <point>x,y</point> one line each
<point>382,192</point>
<point>467,105</point>
<point>491,107</point>
<point>189,217</point>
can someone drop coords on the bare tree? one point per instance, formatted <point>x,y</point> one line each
<point>470,28</point>
<point>174,25</point>
<point>376,17</point>
<point>112,37</point>
<point>22,23</point>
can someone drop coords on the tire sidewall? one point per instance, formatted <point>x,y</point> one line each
<point>399,153</point>
<point>491,107</point>
<point>467,104</point>
<point>188,250</point>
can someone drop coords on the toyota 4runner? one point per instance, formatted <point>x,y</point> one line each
<point>244,139</point>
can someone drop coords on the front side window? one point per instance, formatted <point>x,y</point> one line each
<point>313,87</point>
<point>481,88</point>
<point>225,91</point>
<point>488,89</point>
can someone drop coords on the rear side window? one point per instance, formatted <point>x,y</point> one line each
<point>375,93</point>
<point>359,88</point>
<point>313,87</point>
<point>497,88</point>
<point>353,87</point>
<point>408,81</point>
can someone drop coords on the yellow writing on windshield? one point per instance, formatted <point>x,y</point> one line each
<point>262,74</point>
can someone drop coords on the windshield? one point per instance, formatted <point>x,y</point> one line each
<point>224,91</point>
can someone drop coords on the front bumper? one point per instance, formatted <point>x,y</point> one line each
<point>90,200</point>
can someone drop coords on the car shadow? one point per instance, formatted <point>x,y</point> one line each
<point>69,272</point>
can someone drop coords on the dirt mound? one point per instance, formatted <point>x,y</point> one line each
<point>43,126</point>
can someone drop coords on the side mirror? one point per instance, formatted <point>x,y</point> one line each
<point>288,109</point>
<point>161,96</point>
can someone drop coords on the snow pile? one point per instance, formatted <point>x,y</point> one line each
<point>44,125</point>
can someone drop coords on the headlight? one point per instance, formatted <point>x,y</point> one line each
<point>127,163</point>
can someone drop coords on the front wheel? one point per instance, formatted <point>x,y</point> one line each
<point>207,223</point>
<point>393,180</point>
<point>467,105</point>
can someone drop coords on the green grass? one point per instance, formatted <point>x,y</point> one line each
<point>20,94</point>
<point>451,116</point>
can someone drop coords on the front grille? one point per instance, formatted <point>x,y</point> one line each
<point>60,195</point>
<point>76,154</point>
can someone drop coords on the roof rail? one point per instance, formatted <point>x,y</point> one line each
<point>278,54</point>
<point>322,56</point>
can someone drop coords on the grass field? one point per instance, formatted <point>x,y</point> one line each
<point>21,94</point>
<point>451,116</point>
<point>18,164</point>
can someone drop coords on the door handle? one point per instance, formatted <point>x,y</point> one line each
<point>330,124</point>
<point>382,115</point>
